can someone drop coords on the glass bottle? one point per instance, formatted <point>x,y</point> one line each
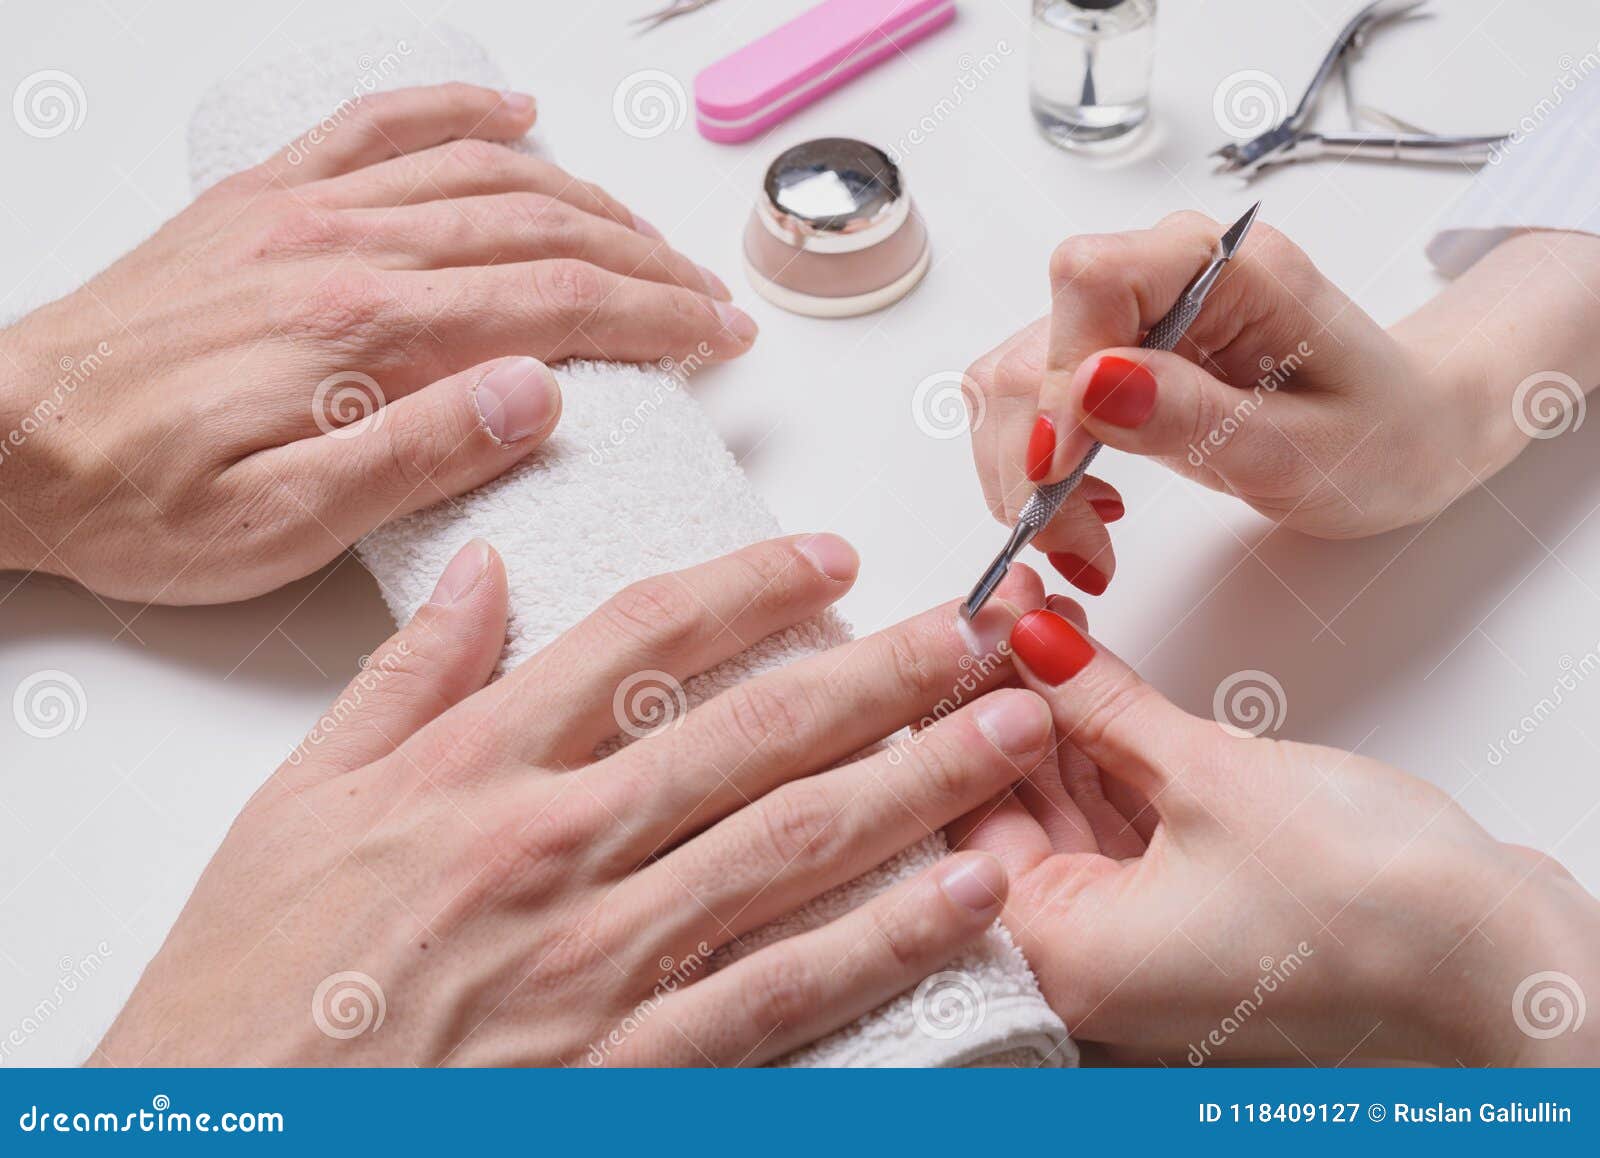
<point>1090,69</point>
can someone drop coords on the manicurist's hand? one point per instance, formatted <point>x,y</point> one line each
<point>445,873</point>
<point>1185,894</point>
<point>1284,393</point>
<point>183,429</point>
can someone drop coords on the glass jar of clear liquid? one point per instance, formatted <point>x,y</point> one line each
<point>1090,70</point>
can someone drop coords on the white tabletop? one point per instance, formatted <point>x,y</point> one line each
<point>1423,648</point>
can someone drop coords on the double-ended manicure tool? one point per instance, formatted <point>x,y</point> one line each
<point>1292,139</point>
<point>1043,504</point>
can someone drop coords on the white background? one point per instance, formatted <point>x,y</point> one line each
<point>1420,647</point>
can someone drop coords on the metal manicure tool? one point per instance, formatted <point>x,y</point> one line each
<point>1292,139</point>
<point>1043,504</point>
<point>661,15</point>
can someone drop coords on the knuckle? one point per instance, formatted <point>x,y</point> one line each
<point>908,668</point>
<point>297,229</point>
<point>660,613</point>
<point>569,285</point>
<point>762,718</point>
<point>348,308</point>
<point>799,825</point>
<point>1190,221</point>
<point>486,159</point>
<point>904,936</point>
<point>1085,259</point>
<point>535,854</point>
<point>1110,722</point>
<point>416,439</point>
<point>784,990</point>
<point>944,769</point>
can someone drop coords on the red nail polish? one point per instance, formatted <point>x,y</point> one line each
<point>1050,646</point>
<point>1109,510</point>
<point>1079,572</point>
<point>1120,392</point>
<point>1041,448</point>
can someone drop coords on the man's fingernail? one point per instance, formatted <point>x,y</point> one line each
<point>975,882</point>
<point>831,555</point>
<point>516,399</point>
<point>1120,392</point>
<point>462,575</point>
<point>519,103</point>
<point>738,323</point>
<point>1014,720</point>
<point>714,284</point>
<point>1109,510</point>
<point>986,633</point>
<point>1041,448</point>
<point>1079,572</point>
<point>644,227</point>
<point>1052,648</point>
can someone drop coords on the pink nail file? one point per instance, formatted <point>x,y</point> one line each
<point>768,79</point>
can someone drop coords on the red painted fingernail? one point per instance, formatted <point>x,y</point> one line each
<point>1079,572</point>
<point>1050,646</point>
<point>1120,392</point>
<point>1041,448</point>
<point>1109,510</point>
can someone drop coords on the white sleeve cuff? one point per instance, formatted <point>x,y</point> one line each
<point>1547,176</point>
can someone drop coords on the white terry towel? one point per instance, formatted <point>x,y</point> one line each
<point>635,482</point>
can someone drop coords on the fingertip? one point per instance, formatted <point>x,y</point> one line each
<point>736,323</point>
<point>1051,648</point>
<point>1069,609</point>
<point>462,574</point>
<point>518,401</point>
<point>976,883</point>
<point>831,555</point>
<point>519,106</point>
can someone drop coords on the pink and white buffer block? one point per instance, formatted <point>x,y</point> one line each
<point>768,79</point>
